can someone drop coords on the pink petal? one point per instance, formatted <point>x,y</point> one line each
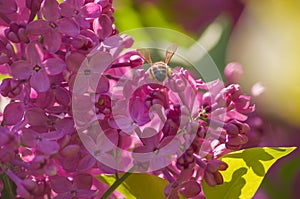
<point>144,149</point>
<point>82,22</point>
<point>60,184</point>
<point>233,72</point>
<point>139,112</point>
<point>236,115</point>
<point>74,61</point>
<point>45,100</point>
<point>107,142</point>
<point>8,7</point>
<point>53,135</point>
<point>66,195</point>
<point>34,53</point>
<point>21,69</point>
<point>52,40</point>
<point>170,145</point>
<point>54,66</point>
<point>36,117</point>
<point>40,81</point>
<point>100,61</point>
<point>82,193</point>
<point>185,175</point>
<point>113,41</point>
<point>66,9</point>
<point>48,147</point>
<point>103,26</point>
<point>62,96</point>
<point>103,85</point>
<point>150,137</point>
<point>190,189</point>
<point>83,181</point>
<point>91,10</point>
<point>79,83</point>
<point>68,27</point>
<point>38,27</point>
<point>86,163</point>
<point>28,137</point>
<point>76,3</point>
<point>93,80</point>
<point>4,69</point>
<point>50,10</point>
<point>13,113</point>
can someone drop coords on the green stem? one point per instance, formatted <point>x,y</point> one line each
<point>115,185</point>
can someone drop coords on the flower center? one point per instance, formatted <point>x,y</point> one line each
<point>76,12</point>
<point>2,54</point>
<point>101,102</point>
<point>36,68</point>
<point>87,71</point>
<point>52,24</point>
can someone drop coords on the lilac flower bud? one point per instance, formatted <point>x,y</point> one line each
<point>216,165</point>
<point>70,150</point>
<point>7,51</point>
<point>235,142</point>
<point>16,33</point>
<point>233,72</point>
<point>212,175</point>
<point>10,87</point>
<point>231,129</point>
<point>135,61</point>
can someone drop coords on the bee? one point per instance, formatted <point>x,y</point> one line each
<point>159,70</point>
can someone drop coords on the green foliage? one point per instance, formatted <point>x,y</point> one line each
<point>130,15</point>
<point>245,173</point>
<point>9,189</point>
<point>139,186</point>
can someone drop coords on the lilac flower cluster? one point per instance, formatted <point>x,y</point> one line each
<point>182,124</point>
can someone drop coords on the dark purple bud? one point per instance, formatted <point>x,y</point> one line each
<point>236,140</point>
<point>231,129</point>
<point>16,32</point>
<point>10,88</point>
<point>216,165</point>
<point>34,6</point>
<point>136,61</point>
<point>210,179</point>
<point>218,177</point>
<point>190,189</point>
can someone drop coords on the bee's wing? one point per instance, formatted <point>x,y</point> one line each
<point>145,53</point>
<point>170,52</point>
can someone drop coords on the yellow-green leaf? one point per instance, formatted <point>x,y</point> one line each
<point>245,173</point>
<point>139,185</point>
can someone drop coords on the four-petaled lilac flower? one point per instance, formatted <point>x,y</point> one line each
<point>158,150</point>
<point>79,11</point>
<point>78,187</point>
<point>41,141</point>
<point>36,68</point>
<point>185,184</point>
<point>53,27</point>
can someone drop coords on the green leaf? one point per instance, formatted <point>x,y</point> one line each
<point>9,189</point>
<point>245,173</point>
<point>139,185</point>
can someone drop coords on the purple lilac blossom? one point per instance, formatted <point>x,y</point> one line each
<point>47,46</point>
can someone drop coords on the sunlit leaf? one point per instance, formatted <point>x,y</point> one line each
<point>139,186</point>
<point>245,173</point>
<point>9,189</point>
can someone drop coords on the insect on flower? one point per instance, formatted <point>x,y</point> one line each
<point>159,70</point>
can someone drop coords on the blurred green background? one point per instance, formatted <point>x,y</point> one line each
<point>263,36</point>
